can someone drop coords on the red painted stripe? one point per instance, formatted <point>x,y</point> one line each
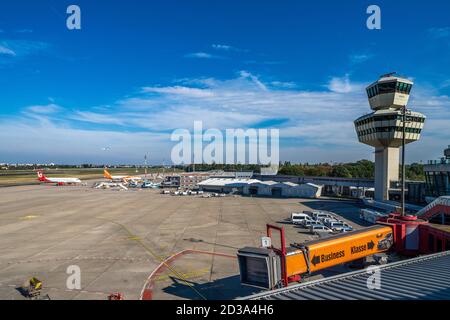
<point>147,290</point>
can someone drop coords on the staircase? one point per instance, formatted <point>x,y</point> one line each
<point>440,205</point>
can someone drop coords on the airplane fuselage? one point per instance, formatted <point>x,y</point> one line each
<point>63,180</point>
<point>59,181</point>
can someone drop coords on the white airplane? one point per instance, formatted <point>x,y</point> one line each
<point>58,181</point>
<point>107,175</point>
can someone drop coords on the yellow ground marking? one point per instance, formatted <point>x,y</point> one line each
<point>186,275</point>
<point>151,253</point>
<point>134,238</point>
<point>28,217</point>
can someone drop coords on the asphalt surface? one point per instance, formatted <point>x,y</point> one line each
<point>118,238</point>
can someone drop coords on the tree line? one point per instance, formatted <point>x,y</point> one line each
<point>364,169</point>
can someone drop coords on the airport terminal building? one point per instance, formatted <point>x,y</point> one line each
<point>437,176</point>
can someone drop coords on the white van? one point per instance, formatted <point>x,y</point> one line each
<point>298,218</point>
<point>319,228</point>
<point>339,226</point>
<point>322,215</point>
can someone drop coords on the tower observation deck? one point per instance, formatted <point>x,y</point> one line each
<point>383,128</point>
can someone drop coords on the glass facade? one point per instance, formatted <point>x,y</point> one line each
<point>388,129</point>
<point>437,183</point>
<point>388,87</point>
<point>388,117</point>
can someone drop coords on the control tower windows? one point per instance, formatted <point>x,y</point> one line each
<point>388,129</point>
<point>389,87</point>
<point>403,87</point>
<point>372,91</point>
<point>389,117</point>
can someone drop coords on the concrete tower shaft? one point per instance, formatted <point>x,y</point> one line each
<point>386,170</point>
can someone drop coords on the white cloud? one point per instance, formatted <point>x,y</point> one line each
<point>343,85</point>
<point>314,125</point>
<point>46,142</point>
<point>202,55</point>
<point>21,48</point>
<point>24,31</point>
<point>7,51</point>
<point>445,84</point>
<point>44,109</point>
<point>438,33</point>
<point>247,75</point>
<point>281,84</point>
<point>98,118</point>
<point>225,47</point>
<point>222,47</point>
<point>360,58</point>
<point>179,90</point>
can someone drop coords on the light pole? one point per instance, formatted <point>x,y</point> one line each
<point>145,165</point>
<point>403,159</point>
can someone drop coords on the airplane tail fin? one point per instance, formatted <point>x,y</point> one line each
<point>107,175</point>
<point>41,176</point>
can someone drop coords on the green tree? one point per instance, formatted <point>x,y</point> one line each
<point>341,172</point>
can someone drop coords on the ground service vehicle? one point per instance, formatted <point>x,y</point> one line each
<point>326,221</point>
<point>319,228</point>
<point>307,223</point>
<point>298,218</point>
<point>338,226</point>
<point>321,215</point>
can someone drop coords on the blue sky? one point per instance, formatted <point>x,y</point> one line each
<point>137,70</point>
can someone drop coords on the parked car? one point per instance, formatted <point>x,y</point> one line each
<point>327,221</point>
<point>319,228</point>
<point>339,226</point>
<point>308,223</point>
<point>322,215</point>
<point>298,218</point>
<point>133,184</point>
<point>347,227</point>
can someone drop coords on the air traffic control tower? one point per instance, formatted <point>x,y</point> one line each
<point>383,128</point>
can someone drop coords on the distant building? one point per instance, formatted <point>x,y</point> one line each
<point>225,185</point>
<point>283,189</point>
<point>185,180</point>
<point>233,174</point>
<point>261,188</point>
<point>437,176</point>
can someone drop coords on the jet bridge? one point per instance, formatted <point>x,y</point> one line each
<point>276,267</point>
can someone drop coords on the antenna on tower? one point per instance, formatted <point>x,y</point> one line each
<point>390,74</point>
